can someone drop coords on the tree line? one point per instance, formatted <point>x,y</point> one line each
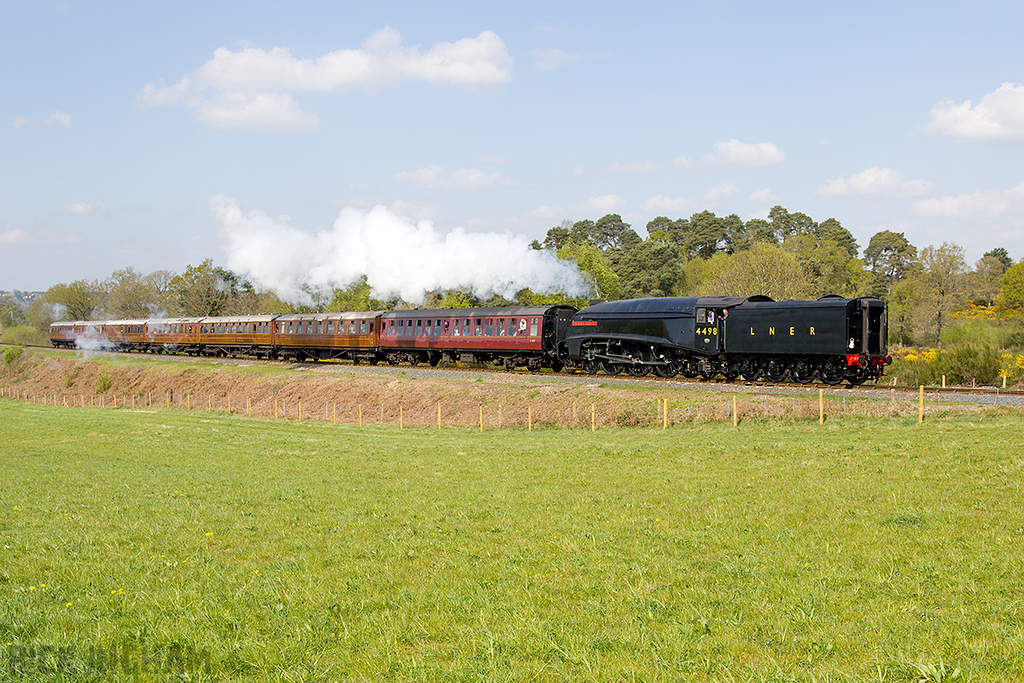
<point>787,255</point>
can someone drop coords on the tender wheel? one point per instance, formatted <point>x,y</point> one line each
<point>833,373</point>
<point>803,372</point>
<point>414,360</point>
<point>533,365</point>
<point>775,371</point>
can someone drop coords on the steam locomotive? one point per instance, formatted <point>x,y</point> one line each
<point>832,339</point>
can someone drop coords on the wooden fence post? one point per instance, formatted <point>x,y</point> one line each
<point>920,404</point>
<point>821,407</point>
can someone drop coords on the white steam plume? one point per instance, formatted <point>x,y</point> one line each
<point>397,256</point>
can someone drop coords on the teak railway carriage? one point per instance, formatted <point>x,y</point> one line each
<point>510,336</point>
<point>833,339</point>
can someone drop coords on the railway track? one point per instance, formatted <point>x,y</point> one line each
<point>652,380</point>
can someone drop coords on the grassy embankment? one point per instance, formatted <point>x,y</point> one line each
<point>218,547</point>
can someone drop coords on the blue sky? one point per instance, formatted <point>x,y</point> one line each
<point>122,125</point>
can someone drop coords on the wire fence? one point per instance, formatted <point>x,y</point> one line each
<point>663,412</point>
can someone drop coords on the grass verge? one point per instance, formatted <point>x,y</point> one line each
<point>160,545</point>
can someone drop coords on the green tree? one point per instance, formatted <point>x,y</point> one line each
<point>984,282</point>
<point>595,267</point>
<point>609,231</point>
<point>650,268</point>
<point>10,313</point>
<point>890,256</point>
<point>356,297</point>
<point>198,291</point>
<point>763,269</point>
<point>903,300</point>
<point>558,236</point>
<point>1001,255</point>
<point>76,301</point>
<point>832,229</point>
<point>706,233</point>
<point>942,276</point>
<point>1011,293</point>
<point>130,294</point>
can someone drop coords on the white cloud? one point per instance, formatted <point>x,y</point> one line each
<point>875,182</point>
<point>998,117</point>
<point>664,205</point>
<point>720,192</point>
<point>682,163</point>
<point>12,237</point>
<point>265,110</point>
<point>736,153</point>
<point>605,203</point>
<point>245,88</point>
<point>980,204</point>
<point>545,212</point>
<point>764,196</point>
<point>58,118</point>
<point>463,179</point>
<point>19,122</point>
<point>492,160</point>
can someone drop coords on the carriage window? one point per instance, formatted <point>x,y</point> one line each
<point>533,327</point>
<point>291,327</point>
<point>465,329</point>
<point>362,327</point>
<point>489,328</point>
<point>330,327</point>
<point>419,328</point>
<point>371,326</point>
<point>477,328</point>
<point>501,327</point>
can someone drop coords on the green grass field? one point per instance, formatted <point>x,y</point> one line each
<point>180,546</point>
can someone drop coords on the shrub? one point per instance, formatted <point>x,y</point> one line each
<point>11,354</point>
<point>103,383</point>
<point>25,335</point>
<point>970,363</point>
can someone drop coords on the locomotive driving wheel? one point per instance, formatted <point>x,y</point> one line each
<point>668,370</point>
<point>638,370</point>
<point>613,368</point>
<point>591,366</point>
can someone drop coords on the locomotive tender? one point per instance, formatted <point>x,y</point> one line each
<point>833,339</point>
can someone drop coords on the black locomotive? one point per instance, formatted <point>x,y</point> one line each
<point>832,339</point>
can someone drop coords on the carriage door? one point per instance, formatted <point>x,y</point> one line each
<point>707,331</point>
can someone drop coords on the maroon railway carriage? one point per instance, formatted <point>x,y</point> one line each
<point>510,336</point>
